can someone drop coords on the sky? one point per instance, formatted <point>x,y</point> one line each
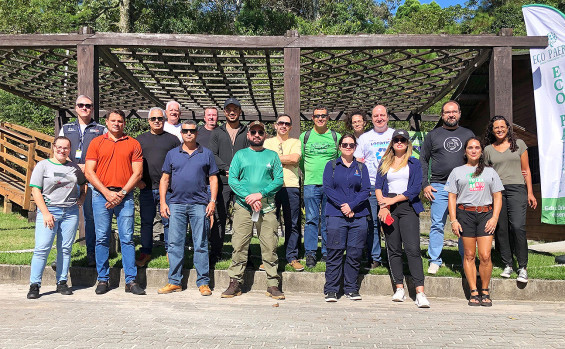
<point>445,3</point>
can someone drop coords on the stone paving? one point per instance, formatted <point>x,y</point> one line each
<point>186,319</point>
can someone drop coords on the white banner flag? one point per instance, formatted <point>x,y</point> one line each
<point>548,68</point>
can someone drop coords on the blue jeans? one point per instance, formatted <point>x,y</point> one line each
<point>373,233</point>
<point>148,204</point>
<point>181,215</point>
<point>289,200</point>
<point>438,213</point>
<point>315,206</point>
<point>89,231</point>
<point>65,228</point>
<point>124,217</point>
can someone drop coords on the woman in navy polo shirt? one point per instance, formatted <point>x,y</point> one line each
<point>397,188</point>
<point>347,186</point>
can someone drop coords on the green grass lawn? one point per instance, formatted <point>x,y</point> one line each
<point>17,234</point>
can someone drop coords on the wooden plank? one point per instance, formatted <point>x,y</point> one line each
<point>292,88</point>
<point>15,160</point>
<point>500,83</point>
<point>7,168</point>
<point>29,131</point>
<point>12,147</point>
<point>15,135</point>
<point>29,170</point>
<point>87,80</point>
<point>41,40</point>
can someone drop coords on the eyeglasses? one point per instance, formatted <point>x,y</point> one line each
<point>317,116</point>
<point>156,118</point>
<point>254,132</point>
<point>187,130</point>
<point>348,145</point>
<point>399,140</point>
<point>284,123</point>
<point>82,105</point>
<point>61,148</point>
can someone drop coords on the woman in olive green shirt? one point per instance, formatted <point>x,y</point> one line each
<point>508,156</point>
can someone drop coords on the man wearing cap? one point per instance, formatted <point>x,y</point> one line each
<point>226,140</point>
<point>173,125</point>
<point>255,176</point>
<point>441,152</point>
<point>288,197</point>
<point>155,144</point>
<point>370,149</point>
<point>81,133</point>
<point>319,145</point>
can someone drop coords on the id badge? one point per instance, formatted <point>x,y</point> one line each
<point>78,155</point>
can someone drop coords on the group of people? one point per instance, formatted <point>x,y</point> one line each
<point>354,185</point>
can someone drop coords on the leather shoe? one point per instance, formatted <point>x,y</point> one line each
<point>102,287</point>
<point>134,288</point>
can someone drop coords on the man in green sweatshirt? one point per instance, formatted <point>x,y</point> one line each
<point>256,175</point>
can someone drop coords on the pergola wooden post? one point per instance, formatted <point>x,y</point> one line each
<point>87,69</point>
<point>292,85</point>
<point>500,80</point>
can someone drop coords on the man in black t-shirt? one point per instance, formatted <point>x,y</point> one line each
<point>442,151</point>
<point>155,144</point>
<point>210,124</point>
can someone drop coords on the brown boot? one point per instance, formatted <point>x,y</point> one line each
<point>233,289</point>
<point>274,292</point>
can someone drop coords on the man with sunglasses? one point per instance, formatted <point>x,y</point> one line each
<point>81,132</point>
<point>289,196</point>
<point>155,144</point>
<point>172,124</point>
<point>226,140</point>
<point>441,152</point>
<point>256,175</point>
<point>319,146</point>
<point>187,170</point>
<point>370,149</point>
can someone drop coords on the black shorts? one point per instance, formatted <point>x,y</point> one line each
<point>473,223</point>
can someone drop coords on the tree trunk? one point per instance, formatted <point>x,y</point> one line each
<point>125,20</point>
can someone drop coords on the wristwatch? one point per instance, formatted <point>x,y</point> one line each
<point>214,201</point>
<point>124,192</point>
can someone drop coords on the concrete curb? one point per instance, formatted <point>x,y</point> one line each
<point>441,287</point>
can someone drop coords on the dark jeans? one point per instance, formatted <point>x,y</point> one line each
<point>344,235</point>
<point>289,200</point>
<point>511,229</point>
<point>218,230</point>
<point>374,231</point>
<point>148,204</point>
<point>404,231</point>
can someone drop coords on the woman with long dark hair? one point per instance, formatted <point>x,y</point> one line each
<point>474,205</point>
<point>347,186</point>
<point>508,156</point>
<point>397,188</point>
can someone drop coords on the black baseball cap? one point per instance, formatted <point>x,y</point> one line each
<point>233,101</point>
<point>402,133</point>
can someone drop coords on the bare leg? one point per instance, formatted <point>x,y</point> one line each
<point>469,246</point>
<point>485,266</point>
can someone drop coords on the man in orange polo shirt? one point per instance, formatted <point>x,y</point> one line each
<point>114,165</point>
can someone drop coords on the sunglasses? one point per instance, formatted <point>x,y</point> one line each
<point>324,116</point>
<point>348,145</point>
<point>82,105</point>
<point>156,118</point>
<point>254,132</point>
<point>187,130</point>
<point>284,123</point>
<point>399,140</point>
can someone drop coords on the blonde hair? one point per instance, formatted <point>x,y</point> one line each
<point>388,158</point>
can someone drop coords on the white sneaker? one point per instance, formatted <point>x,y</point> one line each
<point>399,295</point>
<point>433,268</point>
<point>507,272</point>
<point>522,275</point>
<point>422,301</point>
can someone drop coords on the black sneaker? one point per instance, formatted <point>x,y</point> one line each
<point>102,287</point>
<point>354,296</point>
<point>63,288</point>
<point>33,291</point>
<point>331,297</point>
<point>310,261</point>
<point>134,288</point>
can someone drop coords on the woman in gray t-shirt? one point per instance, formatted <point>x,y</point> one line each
<point>55,188</point>
<point>474,206</point>
<point>509,157</point>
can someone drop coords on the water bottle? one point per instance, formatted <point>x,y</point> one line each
<point>255,216</point>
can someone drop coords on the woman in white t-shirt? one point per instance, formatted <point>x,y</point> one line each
<point>55,188</point>
<point>474,204</point>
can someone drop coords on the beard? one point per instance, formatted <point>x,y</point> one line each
<point>450,123</point>
<point>257,143</point>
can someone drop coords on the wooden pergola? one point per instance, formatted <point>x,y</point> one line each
<point>268,74</point>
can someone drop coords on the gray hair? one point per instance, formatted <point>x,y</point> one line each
<point>189,122</point>
<point>171,102</point>
<point>156,108</point>
<point>83,96</point>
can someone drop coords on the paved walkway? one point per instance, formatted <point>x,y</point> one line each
<point>186,319</point>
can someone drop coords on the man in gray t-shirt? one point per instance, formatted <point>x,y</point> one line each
<point>57,182</point>
<point>473,191</point>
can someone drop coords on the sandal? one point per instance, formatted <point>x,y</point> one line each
<point>474,298</point>
<point>485,298</point>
